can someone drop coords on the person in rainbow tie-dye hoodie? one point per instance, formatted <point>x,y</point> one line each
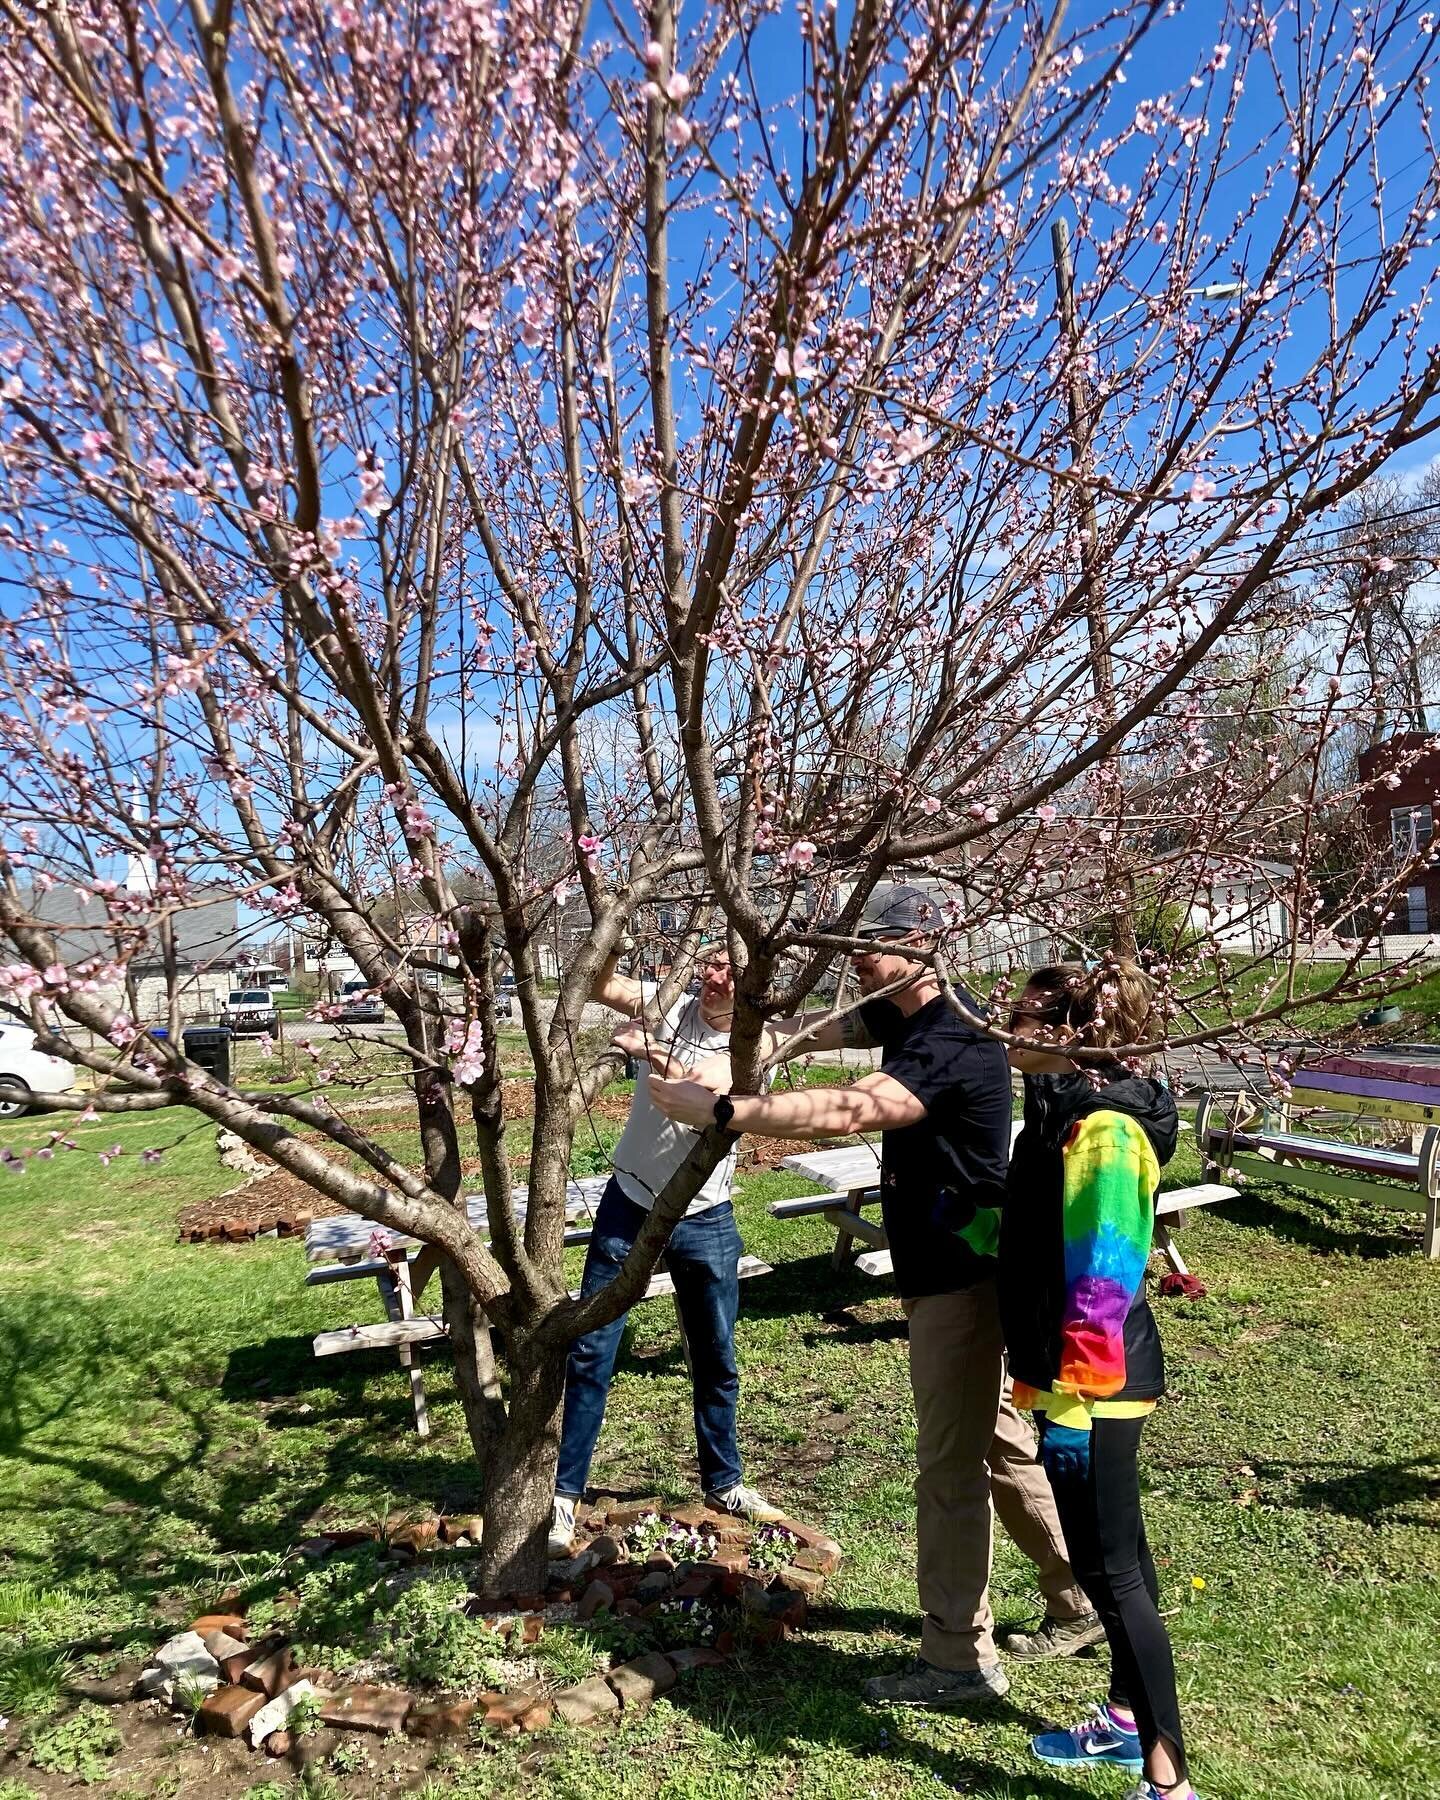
<point>1082,1343</point>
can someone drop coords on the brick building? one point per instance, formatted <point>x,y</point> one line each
<point>1402,816</point>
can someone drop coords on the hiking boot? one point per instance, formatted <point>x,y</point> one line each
<point>744,1502</point>
<point>562,1526</point>
<point>1097,1739</point>
<point>1055,1637</point>
<point>922,1684</point>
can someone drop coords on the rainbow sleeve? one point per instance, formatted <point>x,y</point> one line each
<point>1111,1177</point>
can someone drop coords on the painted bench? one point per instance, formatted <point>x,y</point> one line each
<point>1276,1141</point>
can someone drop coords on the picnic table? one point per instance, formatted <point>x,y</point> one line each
<point>350,1248</point>
<point>854,1171</point>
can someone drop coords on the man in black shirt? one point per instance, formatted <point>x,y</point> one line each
<point>941,1098</point>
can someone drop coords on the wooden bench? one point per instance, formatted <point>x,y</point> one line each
<point>402,1277</point>
<point>1266,1140</point>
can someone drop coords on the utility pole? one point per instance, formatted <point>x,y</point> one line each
<point>1080,409</point>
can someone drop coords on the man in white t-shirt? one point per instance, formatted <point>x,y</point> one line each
<point>702,1256</point>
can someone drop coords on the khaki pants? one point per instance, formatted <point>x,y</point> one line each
<point>976,1458</point>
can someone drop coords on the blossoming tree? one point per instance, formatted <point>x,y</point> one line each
<point>453,448</point>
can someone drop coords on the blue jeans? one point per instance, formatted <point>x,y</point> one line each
<point>703,1257</point>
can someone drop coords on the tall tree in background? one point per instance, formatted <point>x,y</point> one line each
<point>1384,560</point>
<point>446,444</point>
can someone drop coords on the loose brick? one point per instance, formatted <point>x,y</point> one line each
<point>598,1597</point>
<point>823,1562</point>
<point>695,1656</point>
<point>692,1515</point>
<point>419,1536</point>
<point>529,1602</point>
<point>275,1713</point>
<point>367,1708</point>
<point>641,1682</point>
<point>695,1587</point>
<point>629,1608</point>
<point>660,1560</point>
<point>531,1628</point>
<point>266,1674</point>
<point>463,1525</point>
<point>631,1512</point>
<point>801,1581</point>
<point>812,1538</point>
<point>279,1743</point>
<point>231,1622</point>
<point>607,1549</point>
<point>737,1560</point>
<point>503,1712</point>
<point>445,1716</point>
<point>654,1587</point>
<point>228,1711</point>
<point>537,1716</point>
<point>587,1702</point>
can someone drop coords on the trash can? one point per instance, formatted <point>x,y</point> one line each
<point>208,1046</point>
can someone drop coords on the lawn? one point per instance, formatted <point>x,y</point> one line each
<point>165,1432</point>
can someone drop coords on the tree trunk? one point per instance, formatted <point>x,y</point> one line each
<point>520,1479</point>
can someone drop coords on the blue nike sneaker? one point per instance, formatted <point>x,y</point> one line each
<point>1097,1739</point>
<point>1144,1791</point>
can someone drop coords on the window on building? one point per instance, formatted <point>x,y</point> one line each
<point>1411,829</point>
<point>1418,908</point>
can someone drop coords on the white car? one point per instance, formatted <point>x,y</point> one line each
<point>26,1071</point>
<point>249,1009</point>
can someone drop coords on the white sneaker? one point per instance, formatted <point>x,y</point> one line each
<point>562,1526</point>
<point>745,1503</point>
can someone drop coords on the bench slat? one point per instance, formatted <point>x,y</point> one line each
<point>1205,1193</point>
<point>1329,1181</point>
<point>664,1282</point>
<point>1365,1159</point>
<point>813,1203</point>
<point>390,1336</point>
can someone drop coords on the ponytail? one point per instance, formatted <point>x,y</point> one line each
<point>1113,1003</point>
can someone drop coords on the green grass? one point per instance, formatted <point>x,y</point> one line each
<point>165,1433</point>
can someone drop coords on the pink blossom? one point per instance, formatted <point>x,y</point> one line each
<point>468,1051</point>
<point>677,88</point>
<point>346,16</point>
<point>654,56</point>
<point>229,268</point>
<point>678,131</point>
<point>1201,488</point>
<point>800,855</point>
<point>416,822</point>
<point>930,805</point>
<point>1046,814</point>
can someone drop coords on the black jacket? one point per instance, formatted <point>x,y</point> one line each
<point>1072,1289</point>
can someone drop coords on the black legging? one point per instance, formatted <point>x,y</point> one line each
<point>1105,1535</point>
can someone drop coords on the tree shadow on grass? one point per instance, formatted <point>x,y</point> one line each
<point>1308,1221</point>
<point>788,1700</point>
<point>1375,1495</point>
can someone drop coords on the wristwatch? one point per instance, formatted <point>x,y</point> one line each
<point>724,1111</point>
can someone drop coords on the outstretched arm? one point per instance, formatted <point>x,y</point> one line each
<point>875,1103</point>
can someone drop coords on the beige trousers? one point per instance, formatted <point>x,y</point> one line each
<point>976,1458</point>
